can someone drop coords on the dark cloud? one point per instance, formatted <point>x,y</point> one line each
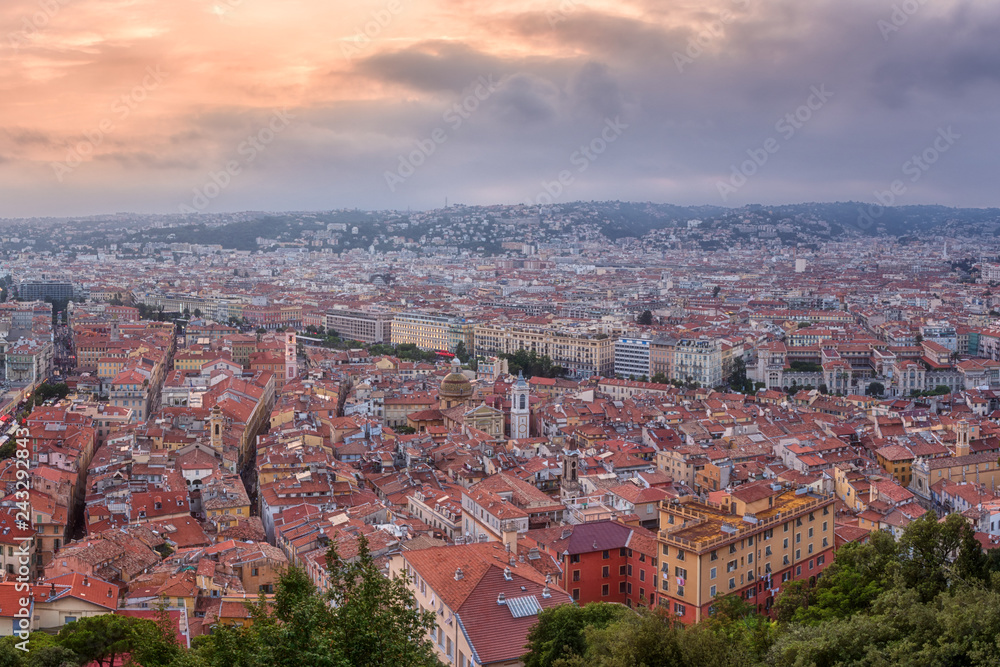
<point>558,78</point>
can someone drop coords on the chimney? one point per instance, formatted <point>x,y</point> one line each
<point>501,599</point>
<point>507,575</point>
<point>458,574</point>
<point>86,581</point>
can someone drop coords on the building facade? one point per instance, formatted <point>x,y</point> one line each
<point>361,325</point>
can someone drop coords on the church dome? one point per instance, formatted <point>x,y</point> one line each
<point>455,386</point>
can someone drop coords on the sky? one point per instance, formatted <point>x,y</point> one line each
<point>229,105</point>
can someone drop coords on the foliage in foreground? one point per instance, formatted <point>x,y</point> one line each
<point>364,620</point>
<point>932,598</point>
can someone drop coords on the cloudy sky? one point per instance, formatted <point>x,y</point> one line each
<point>222,105</point>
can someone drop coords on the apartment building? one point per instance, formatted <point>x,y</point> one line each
<point>28,361</point>
<point>632,358</point>
<point>761,536</point>
<point>582,352</point>
<point>698,360</point>
<point>431,332</point>
<point>484,601</point>
<point>362,325</point>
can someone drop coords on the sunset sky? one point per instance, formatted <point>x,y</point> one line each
<point>143,105</point>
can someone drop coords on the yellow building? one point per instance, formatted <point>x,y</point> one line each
<point>761,536</point>
<point>431,332</point>
<point>581,352</point>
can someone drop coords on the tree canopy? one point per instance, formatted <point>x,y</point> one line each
<point>930,598</point>
<point>364,619</point>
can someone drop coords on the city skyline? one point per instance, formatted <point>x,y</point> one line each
<point>246,105</point>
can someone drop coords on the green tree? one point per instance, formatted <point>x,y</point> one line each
<point>364,620</point>
<point>858,575</point>
<point>101,639</point>
<point>8,449</point>
<point>559,632</point>
<point>645,318</point>
<point>375,619</point>
<point>875,389</point>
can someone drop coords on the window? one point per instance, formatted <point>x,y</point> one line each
<point>604,590</point>
<point>810,550</point>
<point>750,557</point>
<point>810,563</point>
<point>666,550</point>
<point>732,548</point>
<point>786,542</point>
<point>731,566</point>
<point>680,554</point>
<point>810,532</point>
<point>714,555</point>
<point>621,570</point>
<point>605,555</point>
<point>623,552</point>
<point>785,527</point>
<point>576,575</point>
<point>576,593</point>
<point>820,560</point>
<point>621,587</point>
<point>732,583</point>
<point>70,619</point>
<point>826,541</point>
<point>798,570</point>
<point>712,573</point>
<point>629,570</point>
<point>767,550</point>
<point>575,558</point>
<point>680,572</point>
<point>679,609</point>
<point>798,537</point>
<point>642,575</point>
<point>711,591</point>
<point>605,572</point>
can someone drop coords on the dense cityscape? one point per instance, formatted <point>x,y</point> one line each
<point>519,408</point>
<point>439,333</point>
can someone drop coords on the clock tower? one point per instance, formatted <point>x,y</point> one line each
<point>520,409</point>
